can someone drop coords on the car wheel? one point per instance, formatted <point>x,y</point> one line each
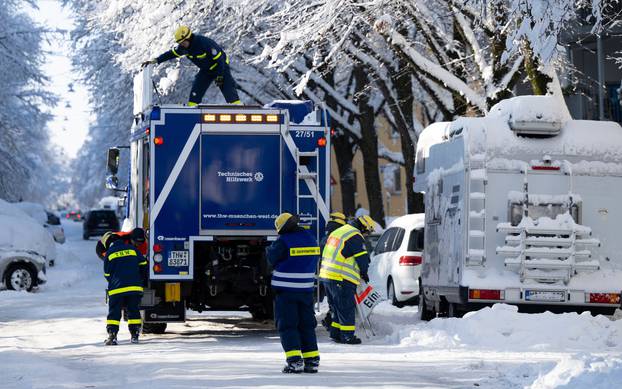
<point>391,294</point>
<point>424,313</point>
<point>20,277</point>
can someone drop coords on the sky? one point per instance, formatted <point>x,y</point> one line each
<point>69,127</point>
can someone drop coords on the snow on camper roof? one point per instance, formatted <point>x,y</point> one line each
<point>431,135</point>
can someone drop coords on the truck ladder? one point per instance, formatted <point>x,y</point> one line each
<point>309,178</point>
<point>477,180</point>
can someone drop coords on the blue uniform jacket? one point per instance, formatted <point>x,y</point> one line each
<point>294,257</point>
<point>355,246</point>
<point>125,269</point>
<point>203,52</point>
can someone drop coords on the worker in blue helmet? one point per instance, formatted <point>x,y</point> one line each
<point>294,257</point>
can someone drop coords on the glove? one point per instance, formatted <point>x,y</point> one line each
<point>150,62</point>
<point>365,277</point>
<point>219,81</point>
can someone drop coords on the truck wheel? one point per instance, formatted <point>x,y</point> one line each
<point>20,277</point>
<point>424,313</point>
<point>391,294</point>
<point>154,328</point>
<point>453,311</point>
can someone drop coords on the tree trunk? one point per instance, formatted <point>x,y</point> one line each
<point>369,146</point>
<point>344,154</point>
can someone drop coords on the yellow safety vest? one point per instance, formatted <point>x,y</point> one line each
<point>334,265</point>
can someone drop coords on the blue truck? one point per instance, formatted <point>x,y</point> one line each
<point>206,183</point>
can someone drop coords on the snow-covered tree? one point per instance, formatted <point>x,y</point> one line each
<point>26,161</point>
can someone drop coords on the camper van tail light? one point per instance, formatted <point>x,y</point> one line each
<point>158,140</point>
<point>157,258</point>
<point>410,260</point>
<point>333,132</point>
<point>157,268</point>
<point>545,167</point>
<point>321,142</point>
<point>157,248</point>
<point>485,294</point>
<point>147,130</point>
<point>603,298</point>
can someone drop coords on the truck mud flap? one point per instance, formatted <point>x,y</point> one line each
<point>166,312</point>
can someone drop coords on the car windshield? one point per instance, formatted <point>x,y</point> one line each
<point>53,220</point>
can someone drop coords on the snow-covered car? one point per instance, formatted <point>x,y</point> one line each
<point>396,260</point>
<point>25,249</point>
<point>47,219</point>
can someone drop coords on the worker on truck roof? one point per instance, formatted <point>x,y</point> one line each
<point>211,60</point>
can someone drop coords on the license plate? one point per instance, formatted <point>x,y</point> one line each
<point>178,258</point>
<point>545,295</point>
<point>102,225</point>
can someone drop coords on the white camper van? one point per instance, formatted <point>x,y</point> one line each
<point>522,206</point>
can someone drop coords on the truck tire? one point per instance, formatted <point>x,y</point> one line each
<point>20,276</point>
<point>154,328</point>
<point>424,313</point>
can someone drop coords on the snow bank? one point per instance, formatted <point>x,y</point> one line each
<point>582,371</point>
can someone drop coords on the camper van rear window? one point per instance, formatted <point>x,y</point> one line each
<point>237,118</point>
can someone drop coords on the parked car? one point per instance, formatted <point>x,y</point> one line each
<point>46,218</point>
<point>396,260</point>
<point>76,216</point>
<point>98,222</point>
<point>54,227</point>
<point>25,249</point>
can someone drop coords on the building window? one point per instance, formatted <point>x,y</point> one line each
<point>392,178</point>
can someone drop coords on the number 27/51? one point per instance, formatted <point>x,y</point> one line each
<point>304,134</point>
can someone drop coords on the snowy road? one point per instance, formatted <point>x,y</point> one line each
<point>54,339</point>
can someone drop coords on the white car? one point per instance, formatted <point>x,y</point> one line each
<point>49,220</point>
<point>396,260</point>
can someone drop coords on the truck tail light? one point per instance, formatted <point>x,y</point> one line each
<point>157,268</point>
<point>603,298</point>
<point>158,141</point>
<point>157,248</point>
<point>485,294</point>
<point>321,142</point>
<point>410,260</point>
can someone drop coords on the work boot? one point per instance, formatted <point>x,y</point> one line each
<point>112,339</point>
<point>295,367</point>
<point>311,365</point>
<point>134,338</point>
<point>352,340</point>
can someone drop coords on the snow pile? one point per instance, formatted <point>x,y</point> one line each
<point>501,327</point>
<point>548,109</point>
<point>34,210</point>
<point>582,371</point>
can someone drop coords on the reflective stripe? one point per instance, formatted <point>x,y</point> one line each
<point>213,66</point>
<point>293,353</point>
<point>191,104</point>
<point>134,321</point>
<point>298,285</point>
<point>300,251</point>
<point>348,328</point>
<point>237,102</point>
<point>359,254</point>
<point>217,56</point>
<point>311,354</point>
<point>112,322</point>
<point>143,263</point>
<point>106,274</point>
<point>227,60</point>
<point>122,253</point>
<point>202,55</point>
<point>293,275</point>
<point>126,289</point>
<point>177,55</point>
<point>336,325</point>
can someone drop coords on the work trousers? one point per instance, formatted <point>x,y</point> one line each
<point>131,300</point>
<point>295,321</point>
<point>204,79</point>
<point>343,307</point>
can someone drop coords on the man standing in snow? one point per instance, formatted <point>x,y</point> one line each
<point>337,219</point>
<point>211,60</point>
<point>294,257</point>
<point>124,269</point>
<point>344,263</point>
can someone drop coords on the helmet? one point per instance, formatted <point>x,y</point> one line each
<point>108,238</point>
<point>182,33</point>
<point>367,223</point>
<point>337,217</point>
<point>138,235</point>
<point>285,221</point>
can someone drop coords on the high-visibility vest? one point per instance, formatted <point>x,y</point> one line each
<point>334,265</point>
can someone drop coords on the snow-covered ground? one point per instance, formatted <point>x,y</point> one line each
<point>54,339</point>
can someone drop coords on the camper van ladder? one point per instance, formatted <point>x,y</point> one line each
<point>310,178</point>
<point>477,210</point>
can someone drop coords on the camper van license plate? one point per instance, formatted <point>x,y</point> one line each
<point>178,258</point>
<point>545,295</point>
